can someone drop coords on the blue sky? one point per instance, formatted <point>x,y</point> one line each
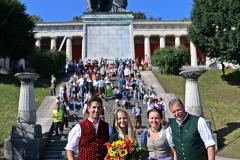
<point>65,10</point>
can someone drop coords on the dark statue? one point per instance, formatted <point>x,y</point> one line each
<point>107,5</point>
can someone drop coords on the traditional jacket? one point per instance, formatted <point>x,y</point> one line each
<point>187,140</point>
<point>91,145</point>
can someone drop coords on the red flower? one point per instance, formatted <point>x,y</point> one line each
<point>108,145</point>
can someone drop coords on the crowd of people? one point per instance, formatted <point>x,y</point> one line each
<point>91,84</point>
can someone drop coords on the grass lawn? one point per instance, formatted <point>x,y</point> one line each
<point>9,98</point>
<point>220,100</point>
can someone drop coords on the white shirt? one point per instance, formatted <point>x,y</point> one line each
<point>126,71</point>
<point>75,135</point>
<point>80,81</point>
<point>154,96</point>
<point>168,136</point>
<point>84,109</point>
<point>95,83</point>
<point>203,130</point>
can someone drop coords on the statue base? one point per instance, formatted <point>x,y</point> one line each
<point>24,149</point>
<point>26,131</point>
<point>108,35</point>
<point>25,143</point>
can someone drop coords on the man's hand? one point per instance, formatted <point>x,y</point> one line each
<point>70,155</point>
<point>211,152</point>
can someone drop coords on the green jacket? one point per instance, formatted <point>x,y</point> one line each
<point>187,140</point>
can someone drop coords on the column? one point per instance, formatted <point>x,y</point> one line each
<point>162,41</point>
<point>53,43</point>
<point>69,48</point>
<point>27,117</point>
<point>38,42</point>
<point>193,52</point>
<point>22,62</point>
<point>132,47</point>
<point>147,50</point>
<point>83,48</point>
<point>193,103</point>
<point>177,41</point>
<point>7,63</point>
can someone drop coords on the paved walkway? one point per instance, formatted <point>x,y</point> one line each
<point>148,77</point>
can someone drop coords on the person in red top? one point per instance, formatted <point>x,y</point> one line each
<point>90,135</point>
<point>137,62</point>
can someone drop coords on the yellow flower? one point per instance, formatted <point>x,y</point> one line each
<point>109,150</point>
<point>122,152</point>
<point>118,142</point>
<point>112,154</point>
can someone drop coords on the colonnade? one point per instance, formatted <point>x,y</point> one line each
<point>53,45</point>
<point>147,50</point>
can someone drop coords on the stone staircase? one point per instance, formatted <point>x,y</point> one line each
<point>55,148</point>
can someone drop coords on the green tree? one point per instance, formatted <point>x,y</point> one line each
<point>36,18</point>
<point>170,59</point>
<point>139,15</point>
<point>152,18</point>
<point>47,62</point>
<point>77,18</point>
<point>215,29</point>
<point>16,30</point>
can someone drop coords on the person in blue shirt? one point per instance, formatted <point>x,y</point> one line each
<point>137,113</point>
<point>121,82</point>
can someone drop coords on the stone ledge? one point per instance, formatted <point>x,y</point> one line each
<point>44,114</point>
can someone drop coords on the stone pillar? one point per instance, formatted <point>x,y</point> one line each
<point>83,48</point>
<point>193,103</point>
<point>147,50</point>
<point>27,118</point>
<point>7,63</point>
<point>38,42</point>
<point>22,61</point>
<point>53,43</point>
<point>177,41</point>
<point>26,142</point>
<point>132,47</point>
<point>69,48</point>
<point>193,51</point>
<point>162,41</point>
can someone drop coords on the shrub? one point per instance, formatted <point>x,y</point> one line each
<point>47,62</point>
<point>170,59</point>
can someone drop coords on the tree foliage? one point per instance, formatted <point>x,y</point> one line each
<point>215,29</point>
<point>36,18</point>
<point>47,62</point>
<point>77,18</point>
<point>139,15</point>
<point>16,30</point>
<point>170,59</point>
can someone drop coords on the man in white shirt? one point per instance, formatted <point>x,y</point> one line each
<point>90,135</point>
<point>192,136</point>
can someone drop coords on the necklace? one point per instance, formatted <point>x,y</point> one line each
<point>154,131</point>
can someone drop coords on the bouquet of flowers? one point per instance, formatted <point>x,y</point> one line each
<point>124,149</point>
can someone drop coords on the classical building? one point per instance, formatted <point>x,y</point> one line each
<point>111,35</point>
<point>147,36</point>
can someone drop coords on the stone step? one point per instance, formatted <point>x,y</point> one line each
<point>55,147</point>
<point>49,148</point>
<point>58,144</point>
<point>54,152</point>
<point>54,156</point>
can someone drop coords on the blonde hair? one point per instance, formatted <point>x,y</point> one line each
<point>129,126</point>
